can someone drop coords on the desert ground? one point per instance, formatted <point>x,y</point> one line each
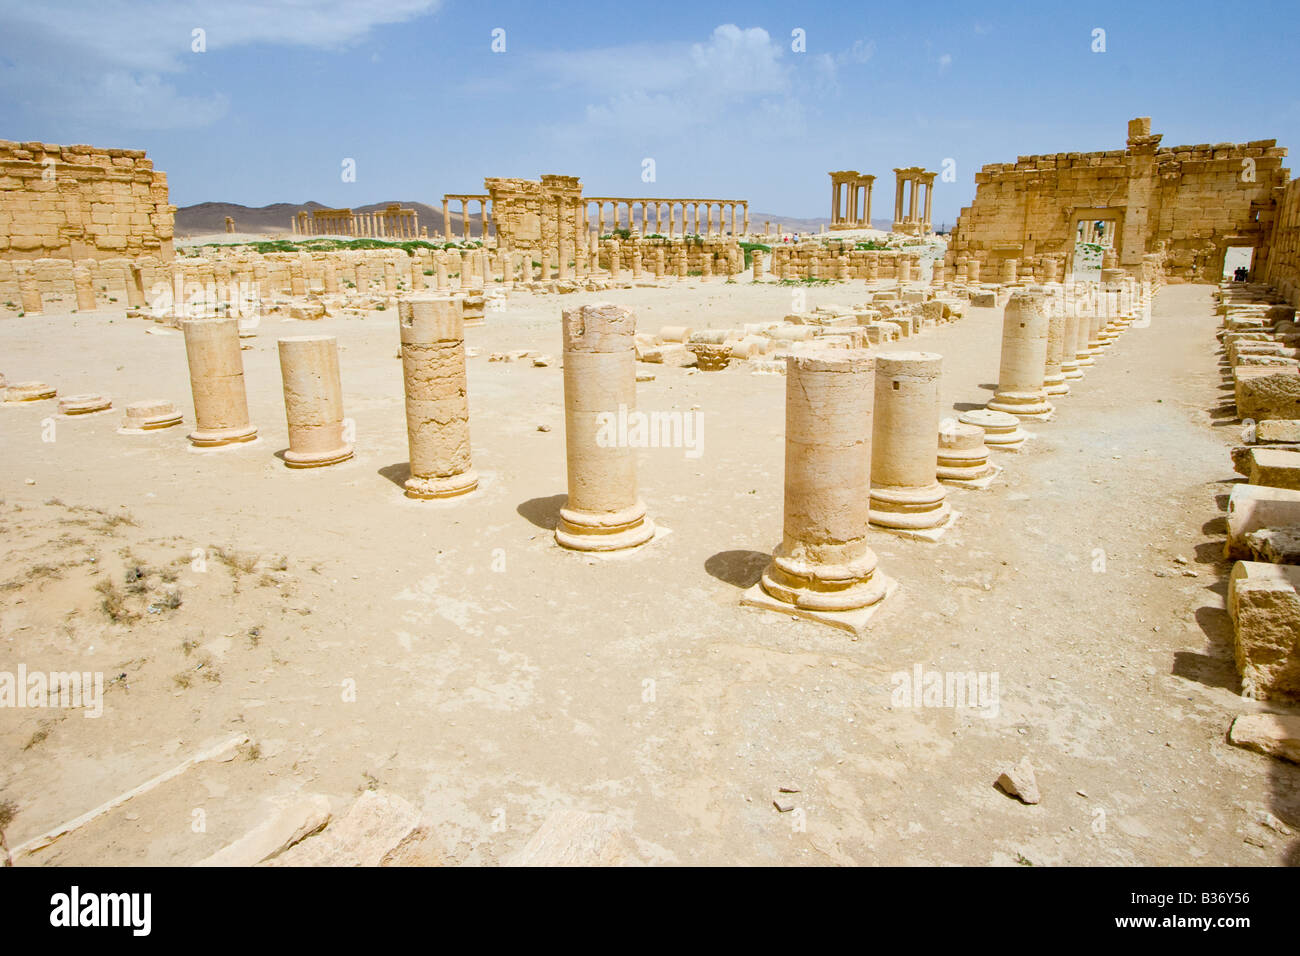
<point>453,654</point>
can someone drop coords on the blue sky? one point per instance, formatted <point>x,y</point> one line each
<point>714,93</point>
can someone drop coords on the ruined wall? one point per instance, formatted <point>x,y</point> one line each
<point>1282,267</point>
<point>81,202</point>
<point>1188,203</point>
<point>529,214</point>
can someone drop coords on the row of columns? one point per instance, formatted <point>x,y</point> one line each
<point>911,214</point>
<point>668,220</point>
<point>465,201</point>
<point>851,199</point>
<point>389,223</point>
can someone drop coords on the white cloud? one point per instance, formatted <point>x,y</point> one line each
<point>668,88</point>
<point>110,60</point>
<point>861,51</point>
<point>945,61</point>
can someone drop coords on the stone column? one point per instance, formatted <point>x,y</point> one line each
<point>708,219</point>
<point>29,289</point>
<point>1070,348</point>
<point>1053,372</point>
<point>217,382</point>
<point>1024,358</point>
<point>603,511</point>
<point>85,288</point>
<point>437,404</point>
<point>905,492</point>
<point>824,565</point>
<point>745,208</point>
<point>313,401</point>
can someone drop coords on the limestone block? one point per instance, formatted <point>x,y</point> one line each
<point>1278,430</point>
<point>1275,467</point>
<point>380,829</point>
<point>575,838</point>
<point>1265,610</point>
<point>285,826</point>
<point>1274,735</point>
<point>1263,393</point>
<point>1253,507</point>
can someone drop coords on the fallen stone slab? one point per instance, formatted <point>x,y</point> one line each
<point>1275,467</point>
<point>1274,735</point>
<point>1278,430</point>
<point>379,829</point>
<point>1265,609</point>
<point>1275,545</point>
<point>300,817</point>
<point>575,838</point>
<point>1255,507</point>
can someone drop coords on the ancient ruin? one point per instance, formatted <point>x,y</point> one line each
<point>639,612</point>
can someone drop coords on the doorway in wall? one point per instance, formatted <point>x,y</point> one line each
<point>1238,257</point>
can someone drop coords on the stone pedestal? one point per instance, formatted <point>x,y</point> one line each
<point>313,401</point>
<point>1002,432</point>
<point>1024,358</point>
<point>217,381</point>
<point>603,511</point>
<point>905,492</point>
<point>149,416</point>
<point>824,569</point>
<point>437,404</point>
<point>28,392</point>
<point>86,404</point>
<point>963,457</point>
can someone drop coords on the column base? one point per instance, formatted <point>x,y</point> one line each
<point>427,488</point>
<point>604,531</point>
<point>854,621</point>
<point>987,476</point>
<point>317,459</point>
<point>909,509</point>
<point>28,392</point>
<point>1056,386</point>
<point>1024,405</point>
<point>215,437</point>
<point>1001,430</point>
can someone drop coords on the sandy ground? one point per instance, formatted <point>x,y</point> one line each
<point>498,677</point>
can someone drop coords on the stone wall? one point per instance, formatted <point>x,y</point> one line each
<point>1186,203</point>
<point>1282,268</point>
<point>81,202</point>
